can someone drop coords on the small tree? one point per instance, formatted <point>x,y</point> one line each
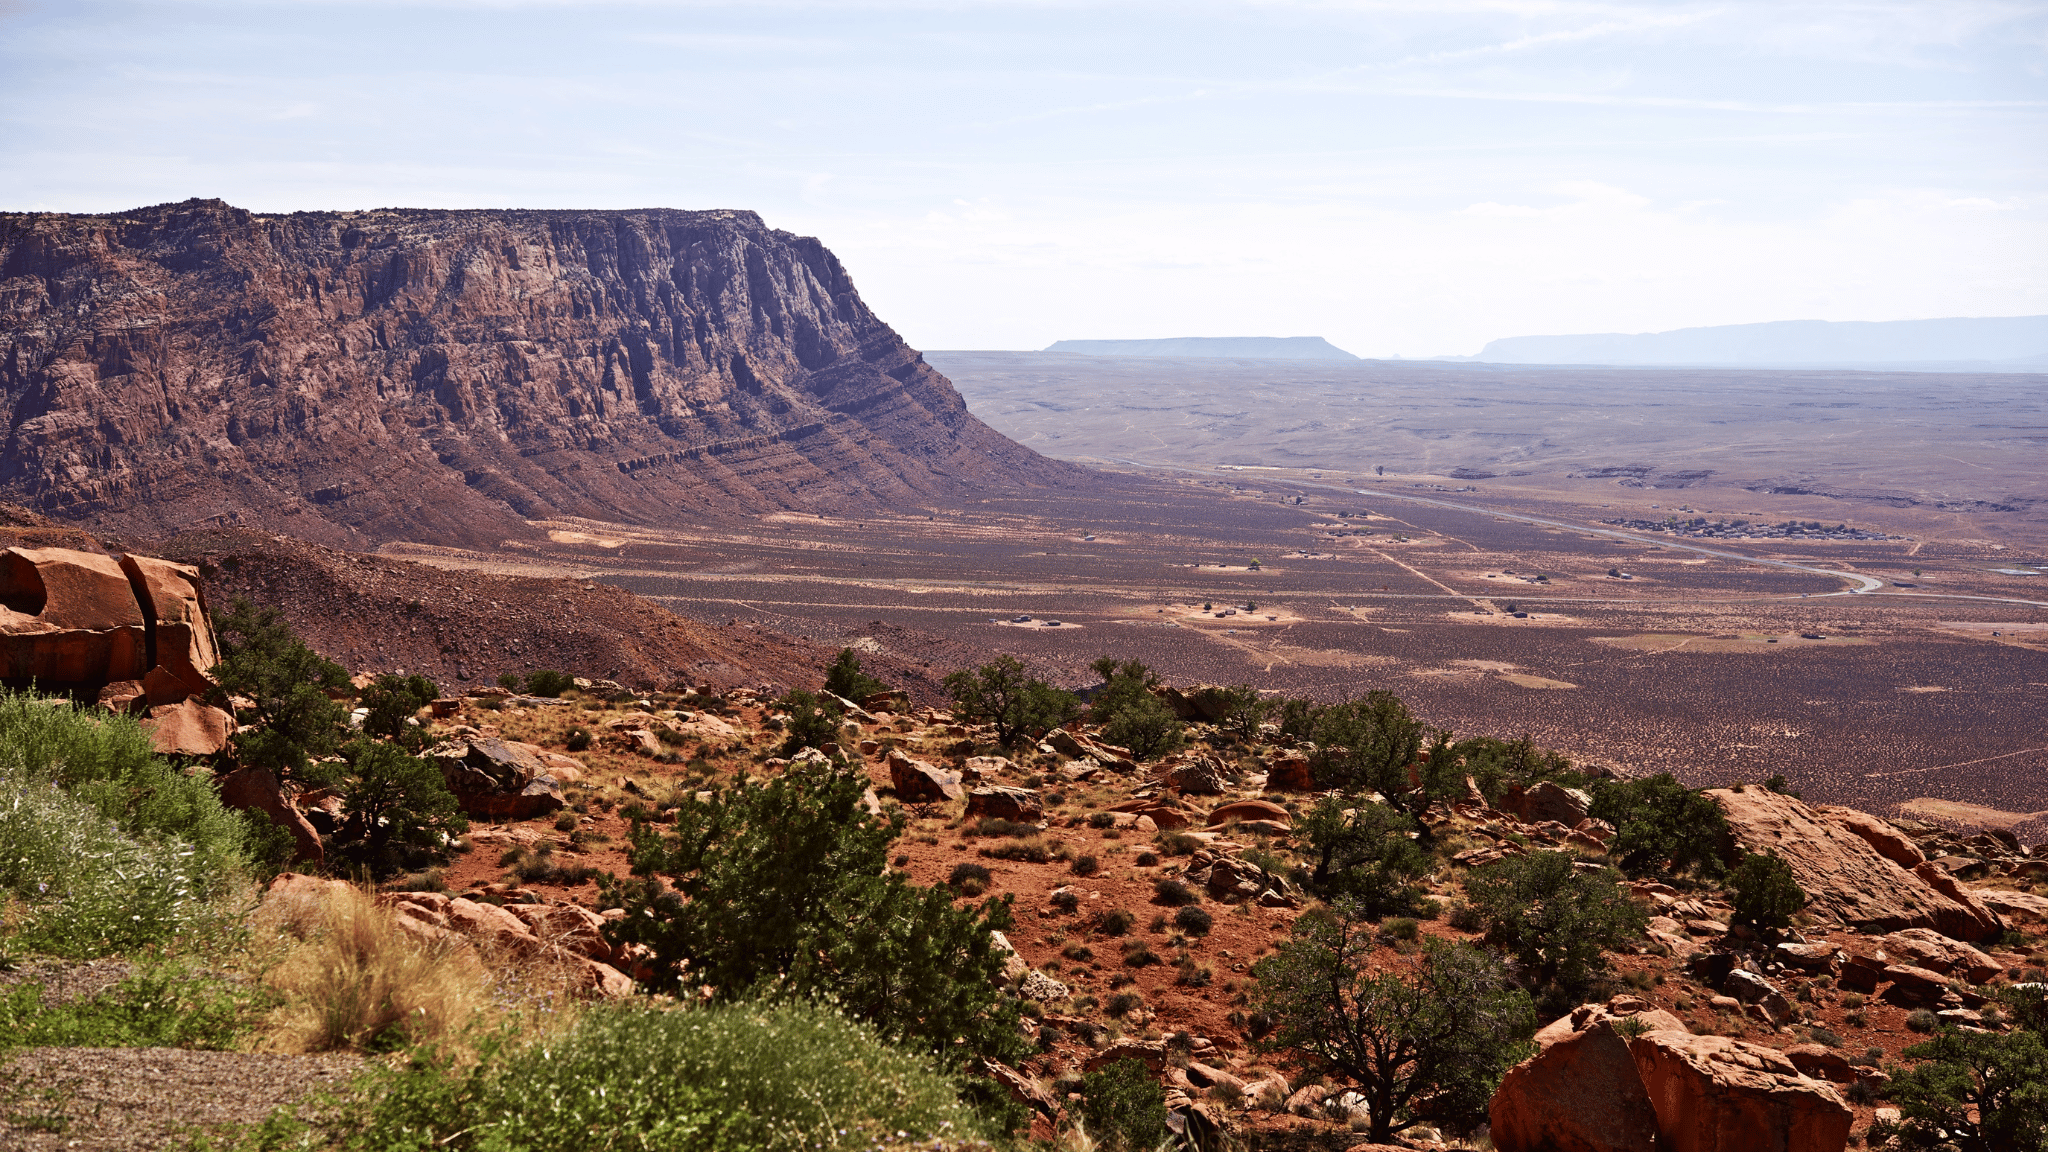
<point>1428,1040</point>
<point>1497,766</point>
<point>1663,826</point>
<point>1977,1091</point>
<point>1124,684</point>
<point>813,720</point>
<point>1124,1107</point>
<point>290,719</point>
<point>845,679</point>
<point>784,888</point>
<point>1243,711</point>
<point>396,808</point>
<point>1372,743</point>
<point>1019,705</point>
<point>1148,728</point>
<point>392,701</point>
<point>1766,895</point>
<point>1361,852</point>
<point>1557,921</point>
<point>548,683</point>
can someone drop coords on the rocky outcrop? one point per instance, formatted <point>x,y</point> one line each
<point>1715,1094</point>
<point>255,790</point>
<point>497,778</point>
<point>918,782</point>
<point>358,377</point>
<point>1890,843</point>
<point>1842,874</point>
<point>1581,1093</point>
<point>1547,802</point>
<point>1020,804</point>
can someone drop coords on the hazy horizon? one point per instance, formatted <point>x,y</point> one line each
<point>1399,178</point>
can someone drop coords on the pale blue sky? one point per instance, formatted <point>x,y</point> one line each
<point>1402,178</point>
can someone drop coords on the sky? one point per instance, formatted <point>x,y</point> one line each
<point>1406,179</point>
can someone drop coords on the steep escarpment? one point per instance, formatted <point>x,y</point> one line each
<point>359,377</point>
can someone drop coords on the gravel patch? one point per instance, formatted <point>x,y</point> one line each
<point>128,1099</point>
<point>66,980</point>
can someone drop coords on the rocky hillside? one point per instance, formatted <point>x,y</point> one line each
<point>357,377</point>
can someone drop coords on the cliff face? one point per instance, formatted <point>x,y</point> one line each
<point>450,375</point>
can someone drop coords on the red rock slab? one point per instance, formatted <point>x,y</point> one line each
<point>1716,1094</point>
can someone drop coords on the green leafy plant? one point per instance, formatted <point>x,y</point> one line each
<point>1664,828</point>
<point>291,718</point>
<point>1360,851</point>
<point>1124,1107</point>
<point>578,740</point>
<point>398,812</point>
<point>813,720</point>
<point>392,701</point>
<point>1977,1091</point>
<point>548,683</point>
<point>783,886</point>
<point>1193,921</point>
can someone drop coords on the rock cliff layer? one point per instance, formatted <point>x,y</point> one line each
<point>450,375</point>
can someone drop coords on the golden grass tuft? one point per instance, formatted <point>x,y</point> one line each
<point>349,979</point>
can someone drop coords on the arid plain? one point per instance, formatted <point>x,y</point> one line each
<point>1905,674</point>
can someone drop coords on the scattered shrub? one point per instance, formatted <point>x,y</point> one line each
<point>1033,851</point>
<point>1101,820</point>
<point>1115,922</point>
<point>1192,921</point>
<point>1147,859</point>
<point>997,826</point>
<point>845,679</point>
<point>1123,1003</point>
<point>566,822</point>
<point>971,879</point>
<point>1065,901</point>
<point>1556,920</point>
<point>1173,893</point>
<point>1138,954</point>
<point>1192,974</point>
<point>1019,706</point>
<point>1400,928</point>
<point>1178,843</point>
<point>548,683</point>
<point>1078,952</point>
<point>578,740</point>
<point>1086,865</point>
<point>1766,896</point>
<point>718,1076</point>
<point>1922,1020</point>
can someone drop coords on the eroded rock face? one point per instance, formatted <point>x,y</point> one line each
<point>916,781</point>
<point>1580,1094</point>
<point>1843,874</point>
<point>1548,801</point>
<point>1020,804</point>
<point>453,374</point>
<point>69,618</point>
<point>1716,1094</point>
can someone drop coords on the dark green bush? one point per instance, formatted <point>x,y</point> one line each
<point>965,874</point>
<point>578,739</point>
<point>813,720</point>
<point>1766,895</point>
<point>1556,920</point>
<point>1001,693</point>
<point>1173,893</point>
<point>845,679</point>
<point>1124,1107</point>
<point>1115,922</point>
<point>1361,853</point>
<point>785,885</point>
<point>1980,1091</point>
<point>1086,865</point>
<point>1193,921</point>
<point>1664,828</point>
<point>392,701</point>
<point>548,683</point>
<point>291,719</point>
<point>398,812</point>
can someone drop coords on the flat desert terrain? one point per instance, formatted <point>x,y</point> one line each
<point>1908,672</point>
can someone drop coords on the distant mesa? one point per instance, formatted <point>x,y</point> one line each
<point>2008,343</point>
<point>1226,347</point>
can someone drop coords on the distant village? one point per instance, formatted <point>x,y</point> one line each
<point>1700,527</point>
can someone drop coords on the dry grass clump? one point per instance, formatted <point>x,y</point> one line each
<point>349,979</point>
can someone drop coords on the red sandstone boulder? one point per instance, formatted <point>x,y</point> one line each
<point>1581,1093</point>
<point>68,618</point>
<point>181,634</point>
<point>1925,948</point>
<point>188,728</point>
<point>1547,801</point>
<point>1821,1062</point>
<point>1716,1094</point>
<point>917,782</point>
<point>1197,776</point>
<point>256,790</point>
<point>1244,810</point>
<point>1020,804</point>
<point>1290,773</point>
<point>1842,874</point>
<point>492,777</point>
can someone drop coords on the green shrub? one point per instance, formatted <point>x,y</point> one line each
<point>1115,922</point>
<point>1921,1020</point>
<point>1193,921</point>
<point>1664,828</point>
<point>846,680</point>
<point>1974,1090</point>
<point>1555,919</point>
<point>1028,851</point>
<point>1401,928</point>
<point>813,720</point>
<point>779,1078</point>
<point>1361,853</point>
<point>1124,1107</point>
<point>578,739</point>
<point>398,811</point>
<point>548,683</point>
<point>785,885</point>
<point>1766,896</point>
<point>997,826</point>
<point>965,876</point>
<point>392,701</point>
<point>1173,893</point>
<point>1086,865</point>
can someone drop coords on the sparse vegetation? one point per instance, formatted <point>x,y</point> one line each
<point>1557,921</point>
<point>1018,705</point>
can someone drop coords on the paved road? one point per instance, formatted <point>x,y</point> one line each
<point>1859,583</point>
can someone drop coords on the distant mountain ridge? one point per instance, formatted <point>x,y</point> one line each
<point>1994,340</point>
<point>1233,347</point>
<point>450,376</point>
